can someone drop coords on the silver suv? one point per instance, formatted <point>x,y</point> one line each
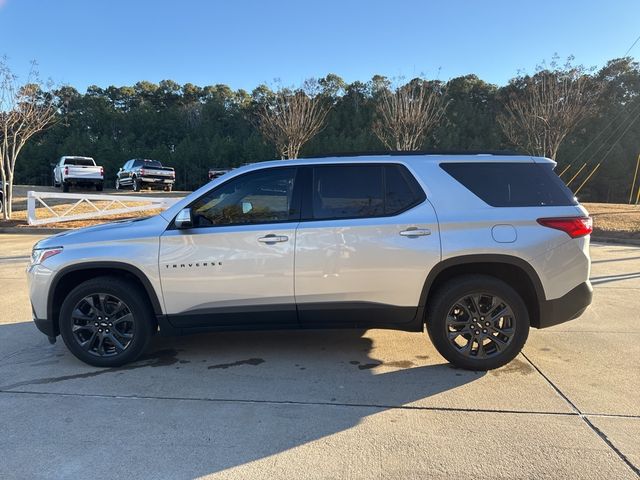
<point>476,247</point>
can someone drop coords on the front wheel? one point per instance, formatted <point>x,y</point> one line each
<point>136,185</point>
<point>477,322</point>
<point>106,322</point>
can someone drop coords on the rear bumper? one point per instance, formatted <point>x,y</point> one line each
<point>152,179</point>
<point>567,307</point>
<point>79,180</point>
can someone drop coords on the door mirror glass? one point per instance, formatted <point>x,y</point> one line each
<point>246,207</point>
<point>184,219</point>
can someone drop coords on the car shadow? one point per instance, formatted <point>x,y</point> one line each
<point>256,394</point>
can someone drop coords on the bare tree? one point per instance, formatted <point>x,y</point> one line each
<point>290,118</point>
<point>408,114</point>
<point>25,109</point>
<point>542,109</point>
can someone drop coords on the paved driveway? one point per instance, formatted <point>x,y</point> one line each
<point>326,404</point>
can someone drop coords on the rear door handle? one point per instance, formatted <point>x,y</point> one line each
<point>415,232</point>
<point>271,238</point>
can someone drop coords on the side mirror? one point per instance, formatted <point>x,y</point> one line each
<point>247,207</point>
<point>184,219</point>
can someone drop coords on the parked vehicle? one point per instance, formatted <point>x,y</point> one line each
<point>476,247</point>
<point>217,172</point>
<point>139,173</point>
<point>78,171</point>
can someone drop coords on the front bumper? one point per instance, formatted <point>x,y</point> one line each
<point>567,307</point>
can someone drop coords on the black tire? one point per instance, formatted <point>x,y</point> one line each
<point>65,186</point>
<point>167,188</point>
<point>117,184</point>
<point>136,185</point>
<point>99,187</point>
<point>76,311</point>
<point>451,309</point>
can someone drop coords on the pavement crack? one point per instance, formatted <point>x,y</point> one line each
<point>291,402</point>
<point>584,418</point>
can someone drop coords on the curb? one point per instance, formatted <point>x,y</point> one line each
<point>618,241</point>
<point>33,230</point>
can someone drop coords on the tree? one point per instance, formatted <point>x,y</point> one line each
<point>407,115</point>
<point>542,109</point>
<point>24,111</point>
<point>290,118</point>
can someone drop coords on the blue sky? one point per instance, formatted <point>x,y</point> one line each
<point>244,43</point>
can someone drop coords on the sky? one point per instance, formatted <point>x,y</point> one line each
<point>244,43</point>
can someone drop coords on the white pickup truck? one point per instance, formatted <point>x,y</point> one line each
<point>80,171</point>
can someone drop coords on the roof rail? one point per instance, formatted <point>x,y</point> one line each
<point>417,152</point>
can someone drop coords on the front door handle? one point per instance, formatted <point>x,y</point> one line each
<point>415,232</point>
<point>271,238</point>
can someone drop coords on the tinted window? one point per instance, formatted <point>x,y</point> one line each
<point>356,191</point>
<point>512,184</point>
<point>151,163</point>
<point>258,197</point>
<point>79,161</point>
<point>348,191</point>
<point>402,190</point>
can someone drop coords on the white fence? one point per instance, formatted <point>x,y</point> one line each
<point>115,204</point>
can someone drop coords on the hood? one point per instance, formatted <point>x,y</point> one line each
<point>117,230</point>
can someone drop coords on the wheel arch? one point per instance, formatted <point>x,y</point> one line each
<point>70,277</point>
<point>518,273</point>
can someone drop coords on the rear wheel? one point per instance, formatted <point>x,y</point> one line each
<point>477,322</point>
<point>167,188</point>
<point>136,185</point>
<point>65,186</point>
<point>106,322</point>
<point>99,187</point>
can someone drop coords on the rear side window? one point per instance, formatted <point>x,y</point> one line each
<point>359,191</point>
<point>512,184</point>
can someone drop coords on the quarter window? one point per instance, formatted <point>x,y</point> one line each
<point>263,196</point>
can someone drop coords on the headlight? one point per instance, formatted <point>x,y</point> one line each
<point>39,255</point>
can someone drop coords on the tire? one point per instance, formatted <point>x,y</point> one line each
<point>65,186</point>
<point>117,184</point>
<point>168,188</point>
<point>99,187</point>
<point>452,309</point>
<point>133,332</point>
<point>136,185</point>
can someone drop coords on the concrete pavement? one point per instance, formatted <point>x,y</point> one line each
<point>326,404</point>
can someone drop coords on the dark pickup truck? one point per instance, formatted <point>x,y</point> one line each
<point>138,173</point>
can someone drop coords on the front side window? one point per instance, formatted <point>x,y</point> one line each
<point>263,196</point>
<point>359,191</point>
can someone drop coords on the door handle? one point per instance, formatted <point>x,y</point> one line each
<point>271,238</point>
<point>415,232</point>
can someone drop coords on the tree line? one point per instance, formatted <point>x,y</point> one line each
<point>584,119</point>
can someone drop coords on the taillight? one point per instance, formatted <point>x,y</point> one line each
<point>142,172</point>
<point>102,171</point>
<point>573,226</point>
<point>66,170</point>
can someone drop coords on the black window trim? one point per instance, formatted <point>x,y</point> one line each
<point>412,181</point>
<point>295,198</point>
